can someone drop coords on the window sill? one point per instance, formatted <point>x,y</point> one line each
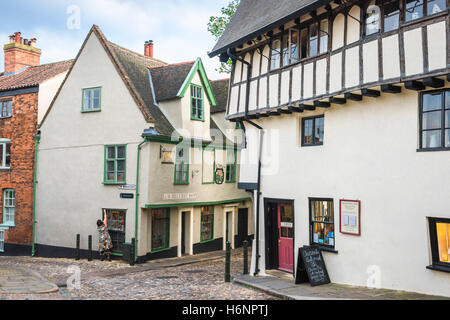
<point>114,183</point>
<point>439,268</point>
<point>1,118</point>
<point>5,169</point>
<point>181,183</point>
<point>432,149</point>
<point>323,248</point>
<point>193,119</point>
<point>312,145</point>
<point>90,111</point>
<point>7,225</point>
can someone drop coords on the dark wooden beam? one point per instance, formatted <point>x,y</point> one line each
<point>414,85</point>
<point>434,82</point>
<point>253,116</point>
<point>274,113</point>
<point>307,107</point>
<point>448,77</point>
<point>338,100</point>
<point>321,104</point>
<point>353,96</point>
<point>370,93</point>
<point>264,115</point>
<point>389,88</point>
<point>284,111</point>
<point>295,109</point>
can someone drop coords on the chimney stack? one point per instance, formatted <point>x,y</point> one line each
<point>148,48</point>
<point>20,53</point>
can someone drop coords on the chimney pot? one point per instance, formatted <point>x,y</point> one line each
<point>18,38</point>
<point>148,48</point>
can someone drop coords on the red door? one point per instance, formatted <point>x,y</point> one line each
<point>286,237</point>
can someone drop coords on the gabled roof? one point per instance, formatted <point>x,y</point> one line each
<point>256,17</point>
<point>220,90</point>
<point>33,76</point>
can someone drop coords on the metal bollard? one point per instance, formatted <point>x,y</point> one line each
<point>77,254</point>
<point>245,257</point>
<point>228,262</point>
<point>90,248</point>
<point>132,249</point>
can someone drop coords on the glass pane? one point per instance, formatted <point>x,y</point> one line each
<point>373,13</point>
<point>308,131</point>
<point>443,239</point>
<point>110,166</point>
<point>313,39</point>
<point>286,214</point>
<point>432,120</point>
<point>294,45</point>
<point>121,152</point>
<point>447,138</point>
<point>1,155</point>
<point>120,176</point>
<point>160,226</point>
<point>207,223</point>
<point>275,61</point>
<point>328,236</point>
<point>323,211</point>
<point>318,233</point>
<point>8,155</point>
<point>285,50</point>
<point>435,6</point>
<point>447,100</point>
<point>319,130</point>
<point>87,99</point>
<point>391,15</point>
<point>432,102</point>
<point>110,176</point>
<point>447,119</point>
<point>121,165</point>
<point>323,36</point>
<point>304,43</point>
<point>431,139</point>
<point>111,152</point>
<point>414,9</point>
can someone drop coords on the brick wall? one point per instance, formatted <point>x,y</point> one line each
<point>20,129</point>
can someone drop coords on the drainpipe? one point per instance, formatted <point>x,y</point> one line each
<point>37,139</point>
<point>261,135</point>
<point>137,200</point>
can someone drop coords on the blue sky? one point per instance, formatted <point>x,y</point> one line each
<point>177,27</point>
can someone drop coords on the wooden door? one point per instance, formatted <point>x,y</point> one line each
<point>286,237</point>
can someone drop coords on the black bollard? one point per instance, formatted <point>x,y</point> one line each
<point>77,254</point>
<point>132,250</point>
<point>89,248</point>
<point>245,257</point>
<point>227,262</point>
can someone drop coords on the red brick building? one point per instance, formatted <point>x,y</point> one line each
<point>26,91</point>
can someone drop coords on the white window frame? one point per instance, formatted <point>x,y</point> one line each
<point>9,205</point>
<point>4,142</point>
<point>8,109</point>
<point>2,240</point>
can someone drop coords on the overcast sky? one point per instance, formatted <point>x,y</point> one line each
<point>178,27</point>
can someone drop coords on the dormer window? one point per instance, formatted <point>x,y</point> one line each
<point>6,109</point>
<point>197,105</point>
<point>91,100</point>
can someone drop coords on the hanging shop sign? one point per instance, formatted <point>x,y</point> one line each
<point>166,156</point>
<point>311,267</point>
<point>219,176</point>
<point>350,217</point>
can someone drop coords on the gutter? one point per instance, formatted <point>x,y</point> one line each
<point>261,135</point>
<point>137,200</point>
<point>37,138</point>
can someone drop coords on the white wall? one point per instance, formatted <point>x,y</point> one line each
<point>47,91</point>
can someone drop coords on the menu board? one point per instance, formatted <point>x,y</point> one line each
<point>311,267</point>
<point>350,217</point>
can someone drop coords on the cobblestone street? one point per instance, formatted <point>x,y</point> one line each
<point>202,280</point>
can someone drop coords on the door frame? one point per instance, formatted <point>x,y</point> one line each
<point>247,236</point>
<point>115,251</point>
<point>274,232</point>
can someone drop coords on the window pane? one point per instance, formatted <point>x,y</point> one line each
<point>111,152</point>
<point>447,100</point>
<point>432,120</point>
<point>207,223</point>
<point>391,15</point>
<point>120,176</point>
<point>160,226</point>
<point>285,50</point>
<point>8,155</point>
<point>313,39</point>
<point>304,43</point>
<point>414,9</point>
<point>443,239</point>
<point>318,233</point>
<point>121,152</point>
<point>2,146</point>
<point>431,139</point>
<point>275,60</point>
<point>319,130</point>
<point>432,102</point>
<point>373,13</point>
<point>120,165</point>
<point>308,131</point>
<point>447,138</point>
<point>286,214</point>
<point>447,119</point>
<point>435,6</point>
<point>323,36</point>
<point>294,46</point>
<point>87,100</point>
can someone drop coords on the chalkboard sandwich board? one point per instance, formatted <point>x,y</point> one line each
<point>311,267</point>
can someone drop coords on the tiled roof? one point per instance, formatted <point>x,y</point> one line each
<point>220,90</point>
<point>255,17</point>
<point>33,76</point>
<point>168,80</point>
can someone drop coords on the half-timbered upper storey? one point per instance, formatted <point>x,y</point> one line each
<point>307,54</point>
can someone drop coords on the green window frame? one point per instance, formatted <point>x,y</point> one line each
<point>207,224</point>
<point>197,103</point>
<point>9,206</point>
<point>91,100</point>
<point>115,164</point>
<point>160,230</point>
<point>230,175</point>
<point>181,175</point>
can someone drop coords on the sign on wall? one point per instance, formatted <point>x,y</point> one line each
<point>350,217</point>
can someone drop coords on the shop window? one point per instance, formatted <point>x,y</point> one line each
<point>391,15</point>
<point>413,10</point>
<point>9,205</point>
<point>197,105</point>
<point>322,222</point>
<point>435,120</point>
<point>160,229</point>
<point>312,131</point>
<point>231,165</point>
<point>91,99</point>
<point>373,17</point>
<point>5,109</point>
<point>115,164</point>
<point>207,223</point>
<point>115,222</point>
<point>182,166</point>
<point>440,242</point>
<point>275,56</point>
<point>5,153</point>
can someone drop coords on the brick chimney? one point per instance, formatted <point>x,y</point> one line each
<point>20,53</point>
<point>148,48</point>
